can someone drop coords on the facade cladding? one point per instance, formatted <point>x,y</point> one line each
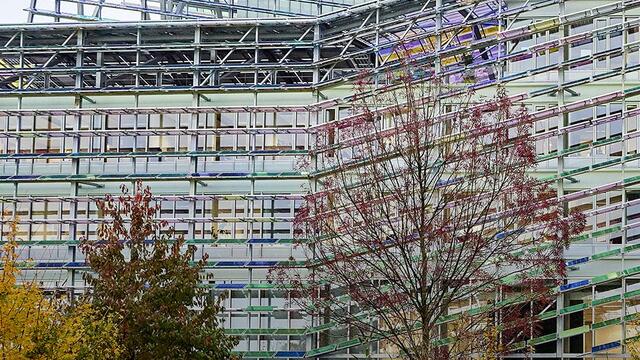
<point>213,104</point>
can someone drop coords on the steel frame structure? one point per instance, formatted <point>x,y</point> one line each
<point>95,10</point>
<point>211,103</point>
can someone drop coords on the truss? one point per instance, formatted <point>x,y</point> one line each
<point>261,54</point>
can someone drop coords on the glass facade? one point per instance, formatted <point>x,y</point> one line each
<point>217,115</point>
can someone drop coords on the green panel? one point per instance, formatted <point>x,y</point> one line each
<point>633,338</point>
<point>261,286</point>
<point>547,315</point>
<point>258,354</point>
<point>322,327</point>
<point>605,231</point>
<point>606,300</point>
<point>609,322</point>
<point>231,241</point>
<point>632,271</point>
<point>322,350</point>
<point>574,171</point>
<point>448,318</point>
<point>543,339</point>
<point>606,277</point>
<point>290,331</point>
<point>631,294</point>
<point>576,331</point>
<point>478,310</point>
<point>259,308</point>
<point>632,180</point>
<point>348,344</point>
<point>606,163</point>
<point>631,317</point>
<point>444,341</point>
<point>235,331</point>
<point>631,248</point>
<point>573,308</point>
<point>632,90</point>
<point>606,254</point>
<point>610,140</point>
<point>518,346</point>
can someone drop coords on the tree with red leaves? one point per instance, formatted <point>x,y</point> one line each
<point>143,276</point>
<point>425,229</point>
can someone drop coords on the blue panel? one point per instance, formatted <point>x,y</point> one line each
<point>503,234</point>
<point>262,263</point>
<point>50,264</point>
<point>574,285</point>
<point>76,264</point>
<point>290,354</point>
<point>230,263</point>
<point>230,286</point>
<point>445,182</point>
<point>578,261</point>
<point>606,346</point>
<point>262,241</point>
<point>206,174</point>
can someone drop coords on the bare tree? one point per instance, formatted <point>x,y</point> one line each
<point>425,229</point>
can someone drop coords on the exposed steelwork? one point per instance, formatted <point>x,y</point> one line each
<point>99,10</point>
<point>214,102</point>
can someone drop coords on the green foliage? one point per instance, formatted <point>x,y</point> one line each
<point>33,326</point>
<point>78,332</point>
<point>24,312</point>
<point>146,279</point>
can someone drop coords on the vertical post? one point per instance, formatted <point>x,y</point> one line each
<point>252,170</point>
<point>563,121</point>
<point>316,53</point>
<point>80,10</point>
<point>623,145</point>
<point>138,44</point>
<point>75,165</point>
<point>99,72</point>
<point>213,76</point>
<point>32,9</point>
<point>163,9</point>
<point>442,329</point>
<point>256,55</point>
<point>145,10</point>
<point>315,341</point>
<point>376,56</point>
<point>21,62</point>
<point>57,10</point>
<point>193,124</point>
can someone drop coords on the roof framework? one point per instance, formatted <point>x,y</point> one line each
<point>99,10</point>
<point>239,54</point>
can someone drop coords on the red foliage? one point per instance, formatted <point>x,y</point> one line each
<point>429,206</point>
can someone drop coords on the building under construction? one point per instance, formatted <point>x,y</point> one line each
<point>212,103</point>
